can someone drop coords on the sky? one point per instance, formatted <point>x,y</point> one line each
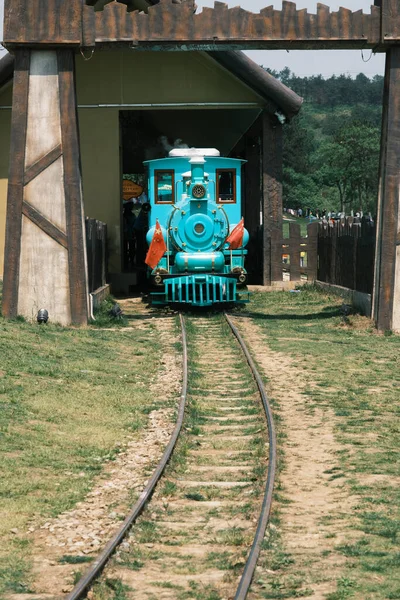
<point>306,62</point>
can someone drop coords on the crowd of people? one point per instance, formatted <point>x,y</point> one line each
<point>328,216</point>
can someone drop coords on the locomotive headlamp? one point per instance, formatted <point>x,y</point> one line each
<point>240,274</point>
<point>198,191</point>
<point>157,279</point>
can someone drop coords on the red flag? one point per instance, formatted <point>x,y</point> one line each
<point>235,238</point>
<point>156,249</point>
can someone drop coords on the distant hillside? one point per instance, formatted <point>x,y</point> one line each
<point>331,150</point>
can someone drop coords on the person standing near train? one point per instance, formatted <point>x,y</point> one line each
<point>141,227</point>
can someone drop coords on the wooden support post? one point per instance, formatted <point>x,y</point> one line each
<point>386,310</point>
<point>73,188</point>
<point>276,254</point>
<point>15,199</point>
<point>294,250</point>
<point>45,251</point>
<point>390,20</point>
<point>312,251</point>
<point>272,166</point>
<point>252,203</point>
<point>333,252</point>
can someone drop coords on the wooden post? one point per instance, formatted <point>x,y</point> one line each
<point>45,253</point>
<point>15,198</point>
<point>272,165</point>
<point>294,251</point>
<point>73,188</point>
<point>252,204</point>
<point>333,253</point>
<point>390,20</point>
<point>312,251</point>
<point>276,254</point>
<point>386,305</point>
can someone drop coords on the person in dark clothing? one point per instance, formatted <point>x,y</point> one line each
<point>129,220</point>
<point>141,227</point>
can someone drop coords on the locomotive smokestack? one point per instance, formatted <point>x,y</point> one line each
<point>197,163</point>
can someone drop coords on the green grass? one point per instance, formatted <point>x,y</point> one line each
<point>199,591</point>
<point>226,561</point>
<point>74,560</point>
<point>287,219</point>
<point>354,373</point>
<point>69,400</point>
<point>104,318</point>
<point>111,589</point>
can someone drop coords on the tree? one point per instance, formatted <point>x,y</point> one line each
<point>300,190</point>
<point>298,145</point>
<point>350,162</point>
<point>331,150</point>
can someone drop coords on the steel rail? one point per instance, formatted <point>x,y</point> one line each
<point>248,572</point>
<point>96,568</point>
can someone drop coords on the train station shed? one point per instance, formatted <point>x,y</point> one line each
<point>131,104</point>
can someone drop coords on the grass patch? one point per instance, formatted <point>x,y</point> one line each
<point>195,496</point>
<point>352,372</point>
<point>107,315</point>
<point>74,560</point>
<point>69,401</point>
<point>111,589</point>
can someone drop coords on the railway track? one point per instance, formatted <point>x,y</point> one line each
<point>200,535</point>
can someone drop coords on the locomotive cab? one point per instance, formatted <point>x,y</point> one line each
<point>196,208</point>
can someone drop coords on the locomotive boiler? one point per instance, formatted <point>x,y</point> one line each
<point>196,238</point>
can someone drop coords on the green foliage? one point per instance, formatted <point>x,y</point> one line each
<point>331,150</point>
<point>301,190</point>
<point>104,318</point>
<point>349,160</point>
<point>111,589</point>
<point>335,91</point>
<point>74,560</point>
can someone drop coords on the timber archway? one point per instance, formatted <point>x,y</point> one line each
<point>173,25</point>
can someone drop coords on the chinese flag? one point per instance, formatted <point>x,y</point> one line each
<point>235,239</point>
<point>156,249</point>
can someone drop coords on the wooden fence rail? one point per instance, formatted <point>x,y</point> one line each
<point>294,257</point>
<point>346,252</point>
<point>96,245</point>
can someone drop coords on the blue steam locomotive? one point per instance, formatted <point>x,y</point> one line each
<point>196,235</point>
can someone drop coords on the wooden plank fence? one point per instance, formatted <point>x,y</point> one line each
<point>295,257</point>
<point>346,253</point>
<point>96,245</point>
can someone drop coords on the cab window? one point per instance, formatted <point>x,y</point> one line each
<point>164,187</point>
<point>226,186</point>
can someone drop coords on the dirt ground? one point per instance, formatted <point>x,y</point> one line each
<point>83,531</point>
<point>314,514</point>
<point>313,507</point>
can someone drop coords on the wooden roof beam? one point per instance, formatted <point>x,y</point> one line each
<point>130,4</point>
<point>173,24</point>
